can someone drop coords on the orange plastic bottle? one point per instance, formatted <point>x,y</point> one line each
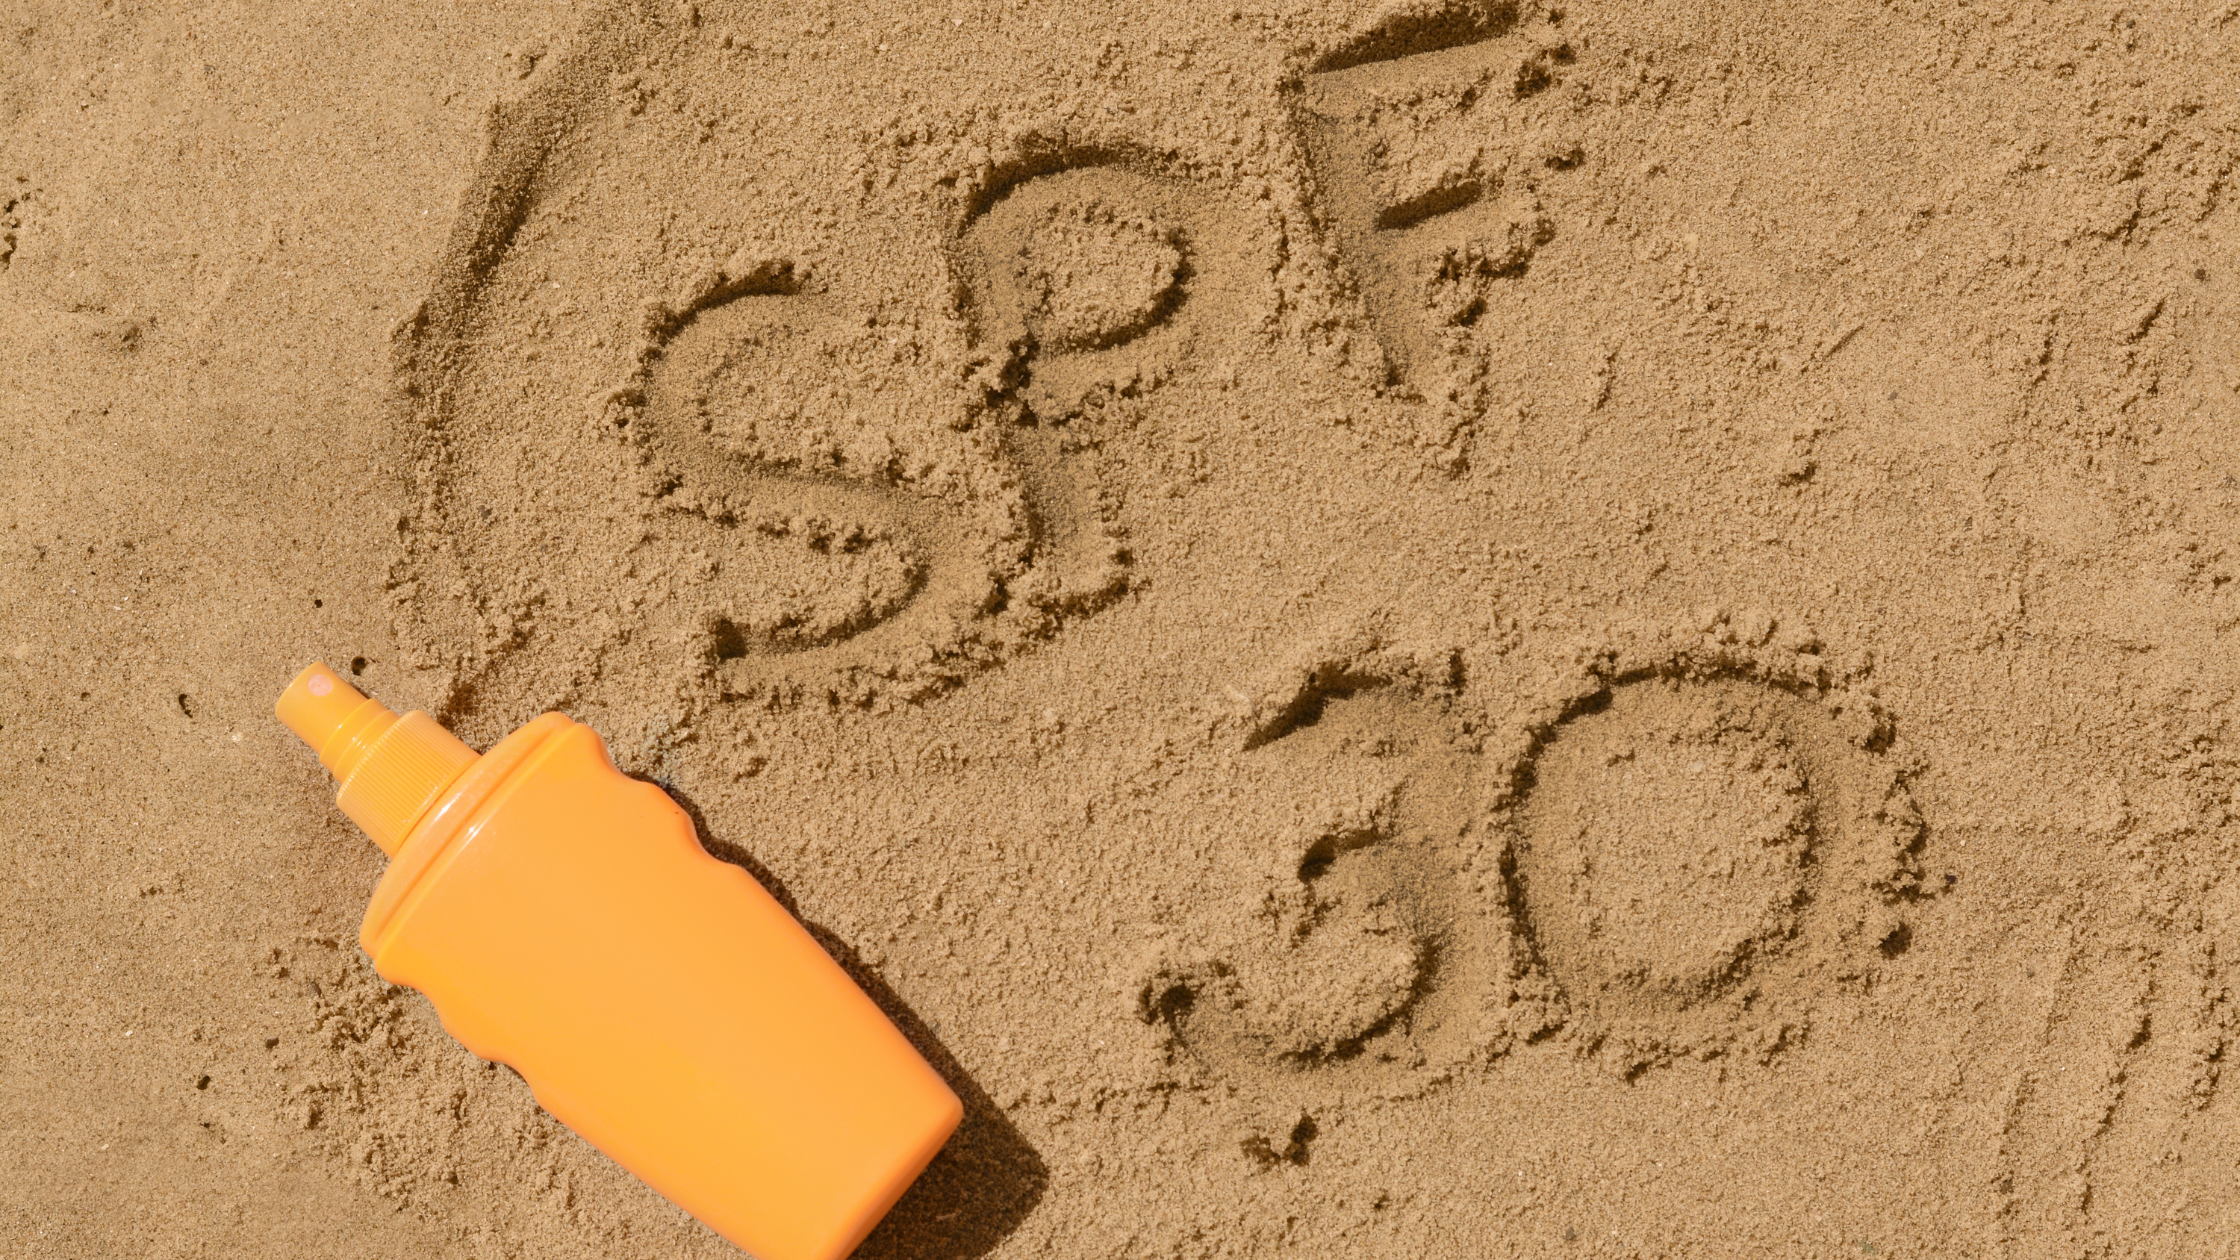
<point>564,919</point>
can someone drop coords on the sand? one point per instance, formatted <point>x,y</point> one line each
<point>1399,629</point>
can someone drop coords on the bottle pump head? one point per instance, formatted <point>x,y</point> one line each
<point>391,768</point>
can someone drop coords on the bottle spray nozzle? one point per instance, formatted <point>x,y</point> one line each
<point>391,768</point>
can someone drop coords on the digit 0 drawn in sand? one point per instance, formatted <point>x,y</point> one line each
<point>1426,154</point>
<point>1699,855</point>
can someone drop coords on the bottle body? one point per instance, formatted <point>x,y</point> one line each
<point>564,919</point>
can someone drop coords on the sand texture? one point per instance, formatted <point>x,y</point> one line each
<point>1387,628</point>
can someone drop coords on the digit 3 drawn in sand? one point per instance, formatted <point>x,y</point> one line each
<point>1426,152</point>
<point>1351,946</point>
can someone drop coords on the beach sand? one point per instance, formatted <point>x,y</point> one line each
<point>1407,629</point>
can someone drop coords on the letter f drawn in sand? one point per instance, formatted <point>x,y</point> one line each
<point>1421,137</point>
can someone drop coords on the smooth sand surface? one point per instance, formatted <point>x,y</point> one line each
<point>1408,629</point>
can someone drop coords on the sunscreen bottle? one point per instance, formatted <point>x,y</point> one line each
<point>564,920</point>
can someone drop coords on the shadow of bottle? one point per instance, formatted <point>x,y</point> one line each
<point>986,1180</point>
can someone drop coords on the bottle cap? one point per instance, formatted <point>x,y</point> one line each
<point>391,768</point>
